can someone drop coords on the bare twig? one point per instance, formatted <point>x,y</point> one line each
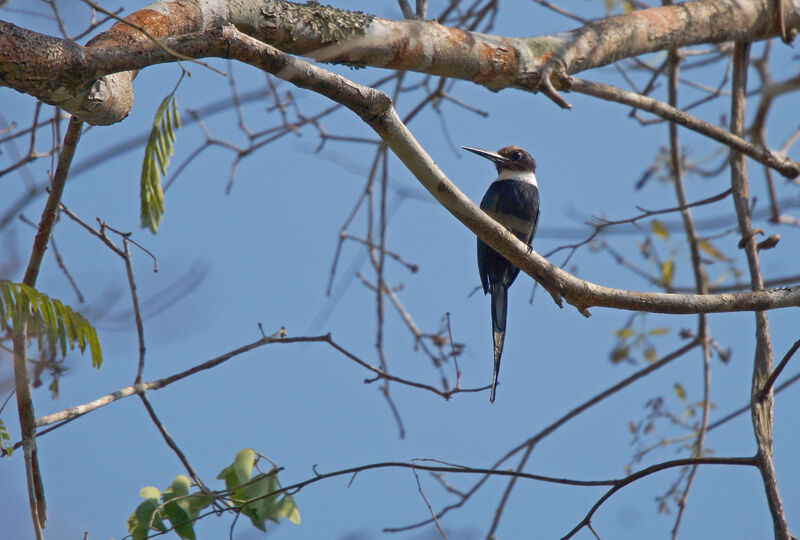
<point>747,461</point>
<point>583,407</point>
<point>783,165</point>
<point>170,441</point>
<point>137,314</point>
<point>701,281</point>
<point>127,391</point>
<point>424,498</point>
<point>778,370</point>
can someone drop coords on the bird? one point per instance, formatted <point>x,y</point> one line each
<point>513,201</point>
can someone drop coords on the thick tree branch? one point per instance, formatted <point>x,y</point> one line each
<point>338,36</point>
<point>376,109</point>
<point>688,23</point>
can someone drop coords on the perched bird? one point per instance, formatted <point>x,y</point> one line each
<point>513,201</point>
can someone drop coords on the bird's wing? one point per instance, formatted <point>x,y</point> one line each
<point>515,205</point>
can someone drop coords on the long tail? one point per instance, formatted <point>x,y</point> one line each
<point>499,307</point>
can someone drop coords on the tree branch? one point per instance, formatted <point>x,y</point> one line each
<point>651,470</point>
<point>787,167</point>
<point>778,370</point>
<point>22,383</point>
<point>761,410</point>
<point>127,391</point>
<point>376,109</point>
<point>338,36</point>
<point>531,442</point>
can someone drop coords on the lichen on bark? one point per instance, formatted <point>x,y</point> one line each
<point>313,23</point>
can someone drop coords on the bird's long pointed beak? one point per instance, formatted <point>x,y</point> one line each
<point>493,156</point>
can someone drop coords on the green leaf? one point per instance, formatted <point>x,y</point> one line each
<point>238,472</point>
<point>253,498</point>
<point>287,509</point>
<point>178,507</point>
<point>150,492</point>
<point>48,319</point>
<point>659,229</point>
<point>176,115</point>
<point>146,516</point>
<point>62,329</point>
<point>254,503</point>
<point>94,348</point>
<point>680,392</point>
<point>256,497</point>
<point>660,331</point>
<point>179,487</point>
<point>157,153</point>
<point>259,485</point>
<point>198,501</point>
<point>650,355</point>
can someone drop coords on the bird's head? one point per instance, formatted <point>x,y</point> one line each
<point>508,158</point>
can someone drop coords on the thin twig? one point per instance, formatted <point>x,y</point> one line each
<point>746,461</point>
<point>428,504</point>
<point>532,441</point>
<point>170,441</point>
<point>137,314</point>
<point>127,391</point>
<point>785,166</point>
<point>701,281</point>
<point>776,373</point>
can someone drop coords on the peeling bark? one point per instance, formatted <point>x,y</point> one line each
<point>333,35</point>
<point>60,73</point>
<point>606,41</point>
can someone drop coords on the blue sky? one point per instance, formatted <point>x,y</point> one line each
<point>263,253</point>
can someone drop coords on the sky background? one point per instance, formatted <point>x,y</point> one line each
<point>263,254</point>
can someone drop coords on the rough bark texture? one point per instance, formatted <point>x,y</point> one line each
<point>761,410</point>
<point>679,25</point>
<point>373,106</point>
<point>58,71</point>
<point>333,35</point>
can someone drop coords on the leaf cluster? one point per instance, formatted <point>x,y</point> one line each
<point>56,326</point>
<point>157,151</point>
<point>255,496</point>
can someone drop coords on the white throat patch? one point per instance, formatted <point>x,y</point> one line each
<point>521,176</point>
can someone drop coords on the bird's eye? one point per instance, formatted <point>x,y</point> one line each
<point>516,155</point>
